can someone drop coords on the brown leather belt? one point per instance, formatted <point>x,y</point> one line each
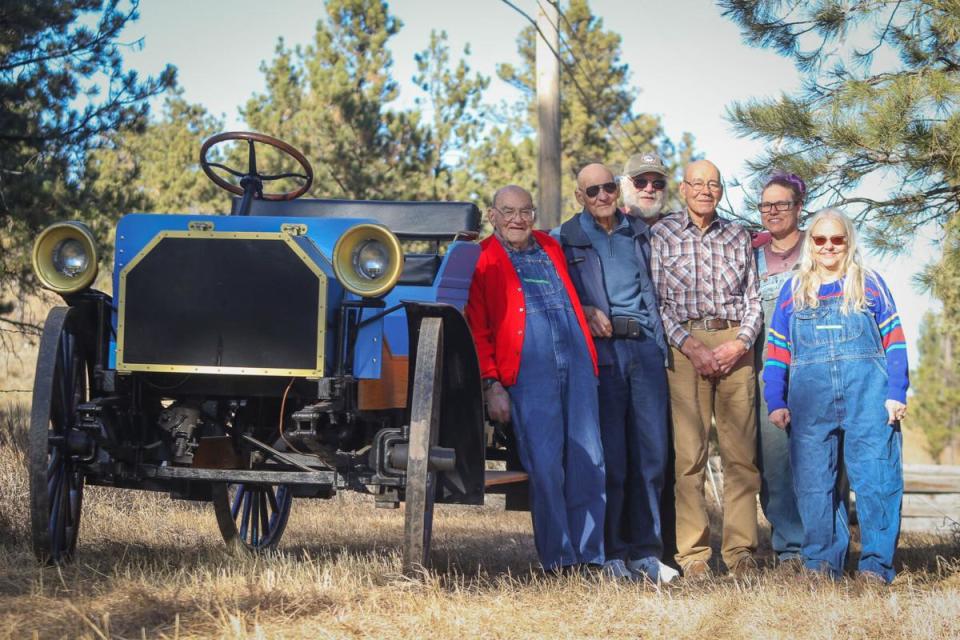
<point>710,324</point>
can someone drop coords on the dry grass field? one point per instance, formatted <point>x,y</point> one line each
<point>151,567</point>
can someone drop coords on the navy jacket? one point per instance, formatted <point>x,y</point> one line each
<point>586,273</point>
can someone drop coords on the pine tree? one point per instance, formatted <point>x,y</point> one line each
<point>936,380</point>
<point>935,407</point>
<point>330,99</point>
<point>63,89</point>
<point>598,122</point>
<point>156,170</point>
<point>454,102</point>
<point>899,126</point>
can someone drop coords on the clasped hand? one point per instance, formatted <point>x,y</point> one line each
<point>713,363</point>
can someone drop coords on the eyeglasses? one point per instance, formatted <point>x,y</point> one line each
<point>594,189</point>
<point>698,185</point>
<point>782,205</point>
<point>527,214</point>
<point>641,183</point>
<point>837,241</point>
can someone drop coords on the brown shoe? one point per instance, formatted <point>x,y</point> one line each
<point>697,570</point>
<point>744,566</point>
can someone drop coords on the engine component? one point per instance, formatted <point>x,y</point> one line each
<point>181,421</point>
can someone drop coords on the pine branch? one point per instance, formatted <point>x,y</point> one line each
<point>102,38</point>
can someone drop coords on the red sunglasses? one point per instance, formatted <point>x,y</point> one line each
<point>837,241</point>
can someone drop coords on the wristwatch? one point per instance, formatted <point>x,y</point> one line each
<point>746,341</point>
<point>489,382</point>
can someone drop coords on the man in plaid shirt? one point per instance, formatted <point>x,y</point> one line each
<point>706,280</point>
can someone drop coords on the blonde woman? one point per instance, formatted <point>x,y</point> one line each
<point>836,371</point>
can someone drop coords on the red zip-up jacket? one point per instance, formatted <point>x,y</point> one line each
<point>496,313</point>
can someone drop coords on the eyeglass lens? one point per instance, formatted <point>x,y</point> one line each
<point>837,241</point>
<point>641,183</point>
<point>698,185</point>
<point>524,214</point>
<point>593,190</point>
<point>782,205</point>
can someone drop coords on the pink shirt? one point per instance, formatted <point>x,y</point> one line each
<point>779,262</point>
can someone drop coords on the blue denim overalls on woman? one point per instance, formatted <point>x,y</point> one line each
<point>838,384</point>
<point>554,412</point>
<point>776,489</point>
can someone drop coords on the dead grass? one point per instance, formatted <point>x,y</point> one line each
<point>152,567</point>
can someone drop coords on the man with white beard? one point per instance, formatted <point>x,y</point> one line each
<point>643,186</point>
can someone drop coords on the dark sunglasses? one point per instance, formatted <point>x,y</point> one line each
<point>594,189</point>
<point>641,183</point>
<point>837,241</point>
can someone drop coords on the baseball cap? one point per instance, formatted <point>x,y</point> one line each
<point>644,163</point>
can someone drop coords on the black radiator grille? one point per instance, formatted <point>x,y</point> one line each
<point>221,302</point>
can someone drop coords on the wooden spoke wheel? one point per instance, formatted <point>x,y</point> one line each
<point>56,479</point>
<point>424,429</point>
<point>252,518</point>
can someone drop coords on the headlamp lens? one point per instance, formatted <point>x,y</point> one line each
<point>371,260</point>
<point>70,258</point>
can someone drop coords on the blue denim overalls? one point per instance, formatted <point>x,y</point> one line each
<point>554,412</point>
<point>838,384</point>
<point>773,447</point>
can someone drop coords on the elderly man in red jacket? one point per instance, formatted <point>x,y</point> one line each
<point>539,370</point>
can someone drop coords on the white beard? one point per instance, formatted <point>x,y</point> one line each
<point>644,210</point>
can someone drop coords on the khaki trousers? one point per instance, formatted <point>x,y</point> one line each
<point>731,402</point>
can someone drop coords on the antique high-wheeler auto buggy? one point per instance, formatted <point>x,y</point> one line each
<point>294,348</point>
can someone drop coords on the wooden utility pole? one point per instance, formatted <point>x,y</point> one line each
<point>548,115</point>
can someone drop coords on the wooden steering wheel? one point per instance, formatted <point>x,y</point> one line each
<point>251,182</point>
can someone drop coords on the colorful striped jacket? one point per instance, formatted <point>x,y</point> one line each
<point>779,346</point>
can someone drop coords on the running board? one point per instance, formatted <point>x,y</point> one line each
<point>494,478</point>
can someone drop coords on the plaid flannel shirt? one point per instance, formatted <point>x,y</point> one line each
<point>704,275</point>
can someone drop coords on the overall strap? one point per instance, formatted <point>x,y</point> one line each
<point>761,257</point>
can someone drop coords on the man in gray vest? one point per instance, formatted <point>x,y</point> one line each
<point>608,256</point>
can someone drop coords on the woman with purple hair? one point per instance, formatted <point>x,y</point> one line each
<point>777,253</point>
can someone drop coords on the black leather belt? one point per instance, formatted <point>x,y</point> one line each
<point>626,327</point>
<point>711,324</point>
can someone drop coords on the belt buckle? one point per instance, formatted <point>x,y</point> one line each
<point>705,323</point>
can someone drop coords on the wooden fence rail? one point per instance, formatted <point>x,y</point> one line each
<point>931,496</point>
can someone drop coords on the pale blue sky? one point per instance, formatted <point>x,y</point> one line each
<point>688,61</point>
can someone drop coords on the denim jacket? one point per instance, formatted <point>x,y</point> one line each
<point>586,273</point>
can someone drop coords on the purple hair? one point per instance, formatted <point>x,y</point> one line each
<point>789,181</point>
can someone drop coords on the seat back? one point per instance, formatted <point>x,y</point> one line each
<point>408,220</point>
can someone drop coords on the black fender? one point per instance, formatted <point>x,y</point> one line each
<point>93,309</point>
<point>461,408</point>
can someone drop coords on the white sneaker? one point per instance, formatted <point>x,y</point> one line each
<point>651,568</point>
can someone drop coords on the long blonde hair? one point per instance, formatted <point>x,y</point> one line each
<point>807,282</point>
